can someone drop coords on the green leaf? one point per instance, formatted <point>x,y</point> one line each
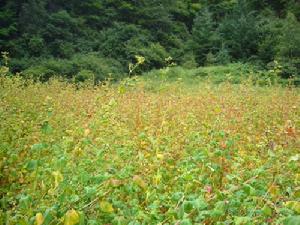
<point>82,218</point>
<point>242,220</point>
<point>38,147</point>
<point>46,128</point>
<point>90,191</point>
<point>92,222</point>
<point>249,190</point>
<point>32,165</point>
<point>188,206</point>
<point>200,203</point>
<point>185,222</point>
<point>215,213</point>
<point>49,216</point>
<point>180,212</point>
<point>292,220</point>
<point>267,211</point>
<point>25,201</point>
<point>74,198</point>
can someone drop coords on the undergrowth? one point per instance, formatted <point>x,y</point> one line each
<point>121,154</point>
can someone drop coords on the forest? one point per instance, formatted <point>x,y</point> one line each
<point>102,37</point>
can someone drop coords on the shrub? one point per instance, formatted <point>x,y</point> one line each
<point>78,66</point>
<point>84,75</point>
<point>36,45</point>
<point>189,61</point>
<point>48,68</point>
<point>289,46</point>
<point>154,55</point>
<point>100,66</point>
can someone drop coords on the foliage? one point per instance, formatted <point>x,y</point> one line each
<point>216,154</point>
<point>289,45</point>
<point>240,32</point>
<point>78,66</point>
<point>139,61</point>
<point>235,73</point>
<point>4,69</point>
<point>194,33</point>
<point>204,36</point>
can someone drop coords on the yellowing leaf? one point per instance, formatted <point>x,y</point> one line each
<point>297,193</point>
<point>157,179</point>
<point>115,182</point>
<point>122,89</point>
<point>106,207</point>
<point>297,177</point>
<point>160,156</point>
<point>87,132</point>
<point>140,59</point>
<point>71,217</point>
<point>39,219</point>
<point>274,191</point>
<point>139,181</point>
<point>58,177</point>
<point>294,205</point>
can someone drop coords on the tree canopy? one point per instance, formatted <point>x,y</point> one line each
<point>218,31</point>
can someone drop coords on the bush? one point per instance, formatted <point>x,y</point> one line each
<point>240,32</point>
<point>234,73</point>
<point>289,47</point>
<point>114,42</point>
<point>189,61</point>
<point>100,66</point>
<point>48,68</point>
<point>223,57</point>
<point>78,66</point>
<point>290,67</point>
<point>281,43</point>
<point>154,55</point>
<point>84,75</point>
<point>21,64</point>
<point>204,36</point>
<point>36,45</point>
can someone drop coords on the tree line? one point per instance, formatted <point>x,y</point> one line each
<point>100,37</point>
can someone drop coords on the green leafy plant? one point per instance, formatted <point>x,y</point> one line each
<point>4,69</point>
<point>119,153</point>
<point>139,61</point>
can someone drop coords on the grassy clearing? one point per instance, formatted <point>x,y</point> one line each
<point>234,73</point>
<point>219,154</point>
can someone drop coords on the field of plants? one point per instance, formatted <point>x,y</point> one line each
<point>129,154</point>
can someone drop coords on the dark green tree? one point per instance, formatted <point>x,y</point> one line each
<point>240,32</point>
<point>204,36</point>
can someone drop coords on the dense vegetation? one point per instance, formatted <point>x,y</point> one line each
<point>208,135</point>
<point>139,152</point>
<point>101,37</point>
